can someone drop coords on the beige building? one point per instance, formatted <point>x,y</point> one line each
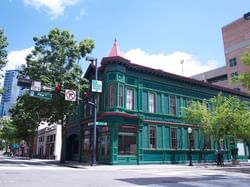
<point>236,40</point>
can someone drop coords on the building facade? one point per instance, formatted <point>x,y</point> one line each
<point>236,41</point>
<point>49,142</point>
<point>11,92</point>
<point>142,110</point>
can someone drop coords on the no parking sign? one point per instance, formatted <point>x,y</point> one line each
<point>70,95</point>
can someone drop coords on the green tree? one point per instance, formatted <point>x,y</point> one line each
<point>54,61</point>
<point>244,78</point>
<point>3,52</point>
<point>26,116</point>
<point>228,117</point>
<point>7,133</point>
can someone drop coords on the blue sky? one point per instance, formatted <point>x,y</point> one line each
<point>157,33</point>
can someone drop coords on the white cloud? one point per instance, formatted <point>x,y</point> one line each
<point>83,12</point>
<point>171,62</point>
<point>17,58</point>
<point>54,8</point>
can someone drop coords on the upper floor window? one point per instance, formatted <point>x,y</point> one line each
<point>120,99</point>
<point>152,137</point>
<point>173,105</point>
<point>151,102</point>
<point>233,62</point>
<point>130,99</point>
<point>111,95</point>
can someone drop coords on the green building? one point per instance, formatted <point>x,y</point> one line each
<point>142,111</point>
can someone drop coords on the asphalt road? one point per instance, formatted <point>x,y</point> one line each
<point>40,173</point>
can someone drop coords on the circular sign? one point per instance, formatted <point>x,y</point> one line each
<point>70,95</point>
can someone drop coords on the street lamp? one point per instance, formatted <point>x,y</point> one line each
<point>93,160</point>
<point>247,16</point>
<point>190,146</point>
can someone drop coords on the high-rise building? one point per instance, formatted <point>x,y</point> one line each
<point>236,40</point>
<point>11,92</point>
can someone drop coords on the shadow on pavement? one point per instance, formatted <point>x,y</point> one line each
<point>169,181</point>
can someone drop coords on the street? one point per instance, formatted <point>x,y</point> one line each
<point>34,172</point>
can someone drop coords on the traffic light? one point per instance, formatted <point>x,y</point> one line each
<point>58,88</point>
<point>85,96</point>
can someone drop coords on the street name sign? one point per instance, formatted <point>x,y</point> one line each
<point>98,123</point>
<point>41,95</point>
<point>96,86</point>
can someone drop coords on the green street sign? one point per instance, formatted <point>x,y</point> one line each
<point>98,123</point>
<point>41,95</point>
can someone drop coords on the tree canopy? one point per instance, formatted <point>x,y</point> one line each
<point>226,117</point>
<point>3,52</point>
<point>54,61</point>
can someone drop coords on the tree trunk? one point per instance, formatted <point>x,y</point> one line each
<point>63,150</point>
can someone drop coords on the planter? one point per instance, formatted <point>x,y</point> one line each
<point>236,162</point>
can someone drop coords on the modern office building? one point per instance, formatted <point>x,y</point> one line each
<point>11,92</point>
<point>141,111</point>
<point>236,40</point>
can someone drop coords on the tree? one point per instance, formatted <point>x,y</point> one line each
<point>54,61</point>
<point>7,133</point>
<point>244,78</point>
<point>3,52</point>
<point>26,116</point>
<point>228,117</point>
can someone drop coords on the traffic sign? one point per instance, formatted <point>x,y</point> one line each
<point>41,95</point>
<point>96,86</point>
<point>70,95</point>
<point>36,86</point>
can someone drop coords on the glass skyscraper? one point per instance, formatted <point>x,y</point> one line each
<point>11,92</point>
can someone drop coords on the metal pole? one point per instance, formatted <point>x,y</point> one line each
<point>190,151</point>
<point>94,130</point>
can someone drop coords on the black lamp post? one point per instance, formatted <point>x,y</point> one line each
<point>93,160</point>
<point>247,16</point>
<point>190,146</point>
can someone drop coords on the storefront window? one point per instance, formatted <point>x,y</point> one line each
<point>86,141</point>
<point>127,140</point>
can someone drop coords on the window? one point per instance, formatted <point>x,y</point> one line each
<point>173,138</point>
<point>130,99</point>
<point>111,95</point>
<point>232,62</point>
<point>86,141</point>
<point>234,74</point>
<point>207,142</point>
<point>104,145</point>
<point>173,105</point>
<point>152,140</point>
<point>127,140</point>
<point>151,102</point>
<point>120,99</point>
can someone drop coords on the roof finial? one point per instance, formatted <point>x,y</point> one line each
<point>115,51</point>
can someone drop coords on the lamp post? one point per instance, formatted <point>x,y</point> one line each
<point>247,16</point>
<point>190,146</point>
<point>93,160</point>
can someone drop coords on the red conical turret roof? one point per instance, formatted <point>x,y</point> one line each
<point>115,51</point>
